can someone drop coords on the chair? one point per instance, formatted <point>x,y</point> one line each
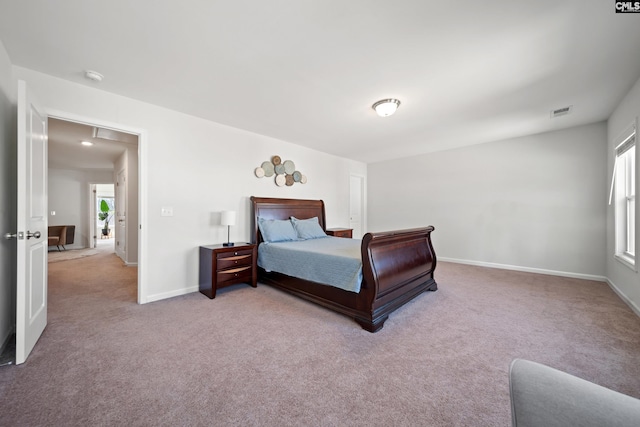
<point>57,236</point>
<point>60,235</point>
<point>543,396</point>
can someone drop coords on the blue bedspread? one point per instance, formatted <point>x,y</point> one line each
<point>328,260</point>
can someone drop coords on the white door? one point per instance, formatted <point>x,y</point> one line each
<point>31,308</point>
<point>121,223</point>
<point>356,205</point>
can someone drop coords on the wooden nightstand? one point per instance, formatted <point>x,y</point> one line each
<point>340,232</point>
<point>222,266</point>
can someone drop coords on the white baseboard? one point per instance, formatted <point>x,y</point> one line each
<point>526,269</point>
<point>171,294</point>
<point>624,298</point>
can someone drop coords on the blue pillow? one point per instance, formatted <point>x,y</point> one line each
<point>275,230</point>
<point>308,228</point>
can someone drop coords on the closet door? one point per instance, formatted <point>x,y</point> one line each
<point>356,205</point>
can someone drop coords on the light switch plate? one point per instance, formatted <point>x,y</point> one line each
<point>166,211</point>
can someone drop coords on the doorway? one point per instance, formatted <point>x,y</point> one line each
<point>83,160</point>
<point>102,215</point>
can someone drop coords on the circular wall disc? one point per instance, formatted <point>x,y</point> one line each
<point>289,166</point>
<point>259,172</point>
<point>268,168</point>
<point>280,180</point>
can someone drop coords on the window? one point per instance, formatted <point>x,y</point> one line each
<point>625,198</point>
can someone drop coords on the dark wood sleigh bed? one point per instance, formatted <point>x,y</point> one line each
<point>397,266</point>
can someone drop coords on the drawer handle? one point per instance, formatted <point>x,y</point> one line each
<point>235,253</point>
<point>236,274</point>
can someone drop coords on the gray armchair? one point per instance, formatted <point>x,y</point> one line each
<point>543,396</point>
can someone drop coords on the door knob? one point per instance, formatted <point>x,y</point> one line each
<point>35,235</point>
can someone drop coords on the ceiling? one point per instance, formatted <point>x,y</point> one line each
<point>67,152</point>
<point>308,72</point>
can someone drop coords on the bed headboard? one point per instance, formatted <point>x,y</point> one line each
<point>270,208</point>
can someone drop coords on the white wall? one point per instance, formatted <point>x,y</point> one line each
<point>8,201</point>
<point>69,198</point>
<point>536,203</point>
<point>198,168</point>
<point>624,280</point>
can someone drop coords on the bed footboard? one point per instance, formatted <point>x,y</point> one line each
<point>397,266</point>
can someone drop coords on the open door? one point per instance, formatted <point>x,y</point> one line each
<point>31,308</point>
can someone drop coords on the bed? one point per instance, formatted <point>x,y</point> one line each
<point>397,266</point>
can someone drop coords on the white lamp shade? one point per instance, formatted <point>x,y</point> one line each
<point>228,218</point>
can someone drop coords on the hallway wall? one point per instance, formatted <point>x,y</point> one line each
<point>69,198</point>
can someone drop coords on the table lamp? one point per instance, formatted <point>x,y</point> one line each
<point>228,218</point>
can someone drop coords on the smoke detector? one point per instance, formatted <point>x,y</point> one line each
<point>561,111</point>
<point>93,75</point>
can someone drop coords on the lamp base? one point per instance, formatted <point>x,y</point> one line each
<point>228,244</point>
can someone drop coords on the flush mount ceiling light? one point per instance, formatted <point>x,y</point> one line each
<point>386,107</point>
<point>93,75</point>
<point>87,143</point>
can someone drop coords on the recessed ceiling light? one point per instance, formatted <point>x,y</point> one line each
<point>386,107</point>
<point>93,75</point>
<point>87,143</point>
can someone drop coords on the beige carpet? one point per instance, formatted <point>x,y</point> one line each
<point>66,255</point>
<point>259,357</point>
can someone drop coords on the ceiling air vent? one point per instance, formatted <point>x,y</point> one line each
<point>114,135</point>
<point>561,111</point>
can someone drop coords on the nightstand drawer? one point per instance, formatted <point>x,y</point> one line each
<point>232,253</point>
<point>234,274</point>
<point>234,261</point>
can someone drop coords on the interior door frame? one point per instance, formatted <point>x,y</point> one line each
<point>93,214</point>
<point>142,185</point>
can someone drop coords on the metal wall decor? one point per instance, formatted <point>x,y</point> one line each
<point>285,172</point>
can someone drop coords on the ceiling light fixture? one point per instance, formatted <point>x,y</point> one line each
<point>87,143</point>
<point>93,75</point>
<point>386,107</point>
